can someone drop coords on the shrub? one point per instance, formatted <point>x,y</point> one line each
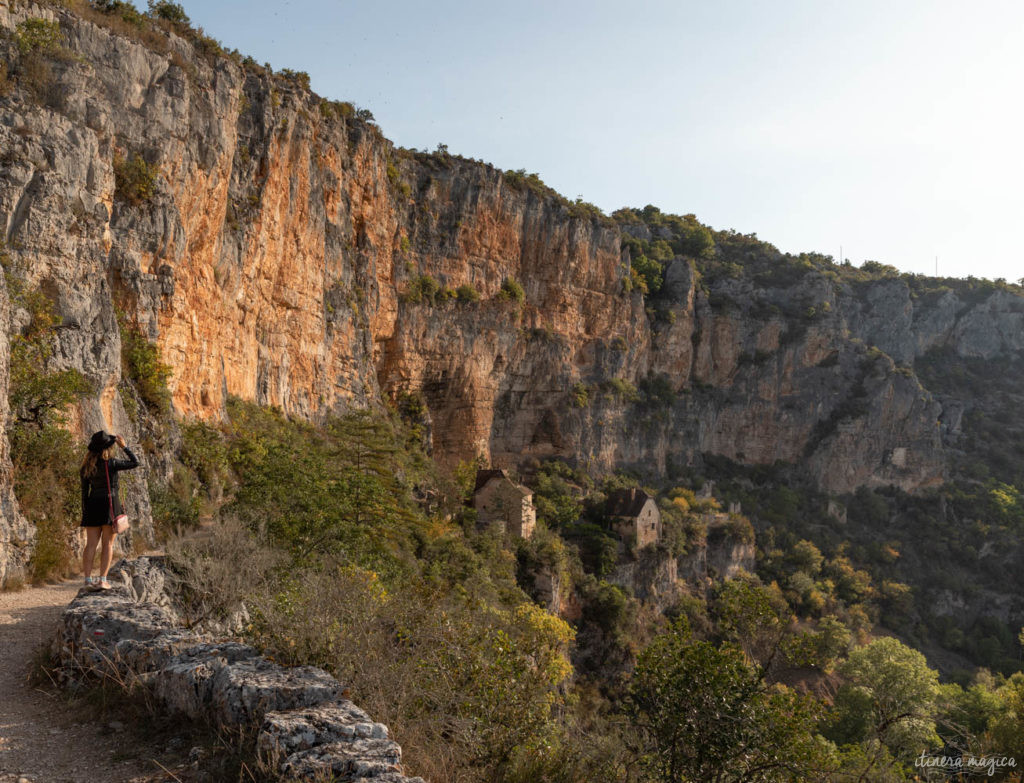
<point>520,180</point>
<point>37,40</point>
<point>42,452</point>
<point>511,290</point>
<point>585,210</point>
<point>204,451</point>
<point>210,48</point>
<point>332,109</point>
<point>169,12</point>
<point>37,36</point>
<point>466,294</point>
<point>38,397</point>
<point>462,685</point>
<point>688,235</point>
<point>327,110</point>
<point>43,464</point>
<point>622,389</point>
<point>214,575</point>
<point>141,361</point>
<point>300,78</point>
<point>580,395</point>
<point>657,390</point>
<point>126,11</point>
<point>36,77</point>
<point>423,290</point>
<point>327,490</point>
<point>176,504</point>
<point>650,274</point>
<point>134,179</point>
<point>393,176</point>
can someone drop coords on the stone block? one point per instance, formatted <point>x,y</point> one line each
<point>288,732</point>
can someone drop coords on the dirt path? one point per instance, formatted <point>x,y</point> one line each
<point>40,739</point>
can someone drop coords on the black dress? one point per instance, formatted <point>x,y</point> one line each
<point>96,500</point>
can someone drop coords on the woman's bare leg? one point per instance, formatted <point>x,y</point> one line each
<point>108,549</point>
<point>92,538</point>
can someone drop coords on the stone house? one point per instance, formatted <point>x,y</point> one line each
<point>499,501</point>
<point>635,516</point>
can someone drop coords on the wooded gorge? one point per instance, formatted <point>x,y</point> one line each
<point>318,339</point>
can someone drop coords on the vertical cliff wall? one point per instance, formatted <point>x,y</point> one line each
<point>285,247</point>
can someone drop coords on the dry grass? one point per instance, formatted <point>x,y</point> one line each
<point>219,568</point>
<point>151,37</point>
<point>6,82</point>
<point>334,616</point>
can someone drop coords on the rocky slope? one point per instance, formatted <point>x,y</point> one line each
<point>283,256</point>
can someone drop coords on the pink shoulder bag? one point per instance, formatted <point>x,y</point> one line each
<point>120,522</point>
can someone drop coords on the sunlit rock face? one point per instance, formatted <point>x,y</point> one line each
<point>290,255</point>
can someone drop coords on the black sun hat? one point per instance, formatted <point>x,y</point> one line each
<point>101,441</point>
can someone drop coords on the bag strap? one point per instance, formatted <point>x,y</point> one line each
<point>110,497</point>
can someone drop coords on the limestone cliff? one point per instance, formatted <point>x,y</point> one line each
<point>286,246</point>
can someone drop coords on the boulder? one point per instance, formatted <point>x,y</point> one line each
<point>295,730</point>
<point>245,691</point>
<point>371,758</point>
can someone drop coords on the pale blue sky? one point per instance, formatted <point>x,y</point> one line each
<point>891,128</point>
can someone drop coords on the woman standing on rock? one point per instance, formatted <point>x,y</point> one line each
<point>101,502</point>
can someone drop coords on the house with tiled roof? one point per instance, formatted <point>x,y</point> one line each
<point>634,516</point>
<point>501,502</point>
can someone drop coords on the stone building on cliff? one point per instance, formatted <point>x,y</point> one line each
<point>635,517</point>
<point>501,502</point>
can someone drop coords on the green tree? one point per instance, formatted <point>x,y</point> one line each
<point>169,11</point>
<point>42,450</point>
<point>705,713</point>
<point>598,548</point>
<point>557,502</point>
<point>38,395</point>
<point>143,365</point>
<point>1007,728</point>
<point>650,272</point>
<point>511,290</point>
<point>888,701</point>
<point>805,557</point>
<point>754,618</point>
<point>342,488</point>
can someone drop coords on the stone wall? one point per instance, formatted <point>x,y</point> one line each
<point>305,726</point>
